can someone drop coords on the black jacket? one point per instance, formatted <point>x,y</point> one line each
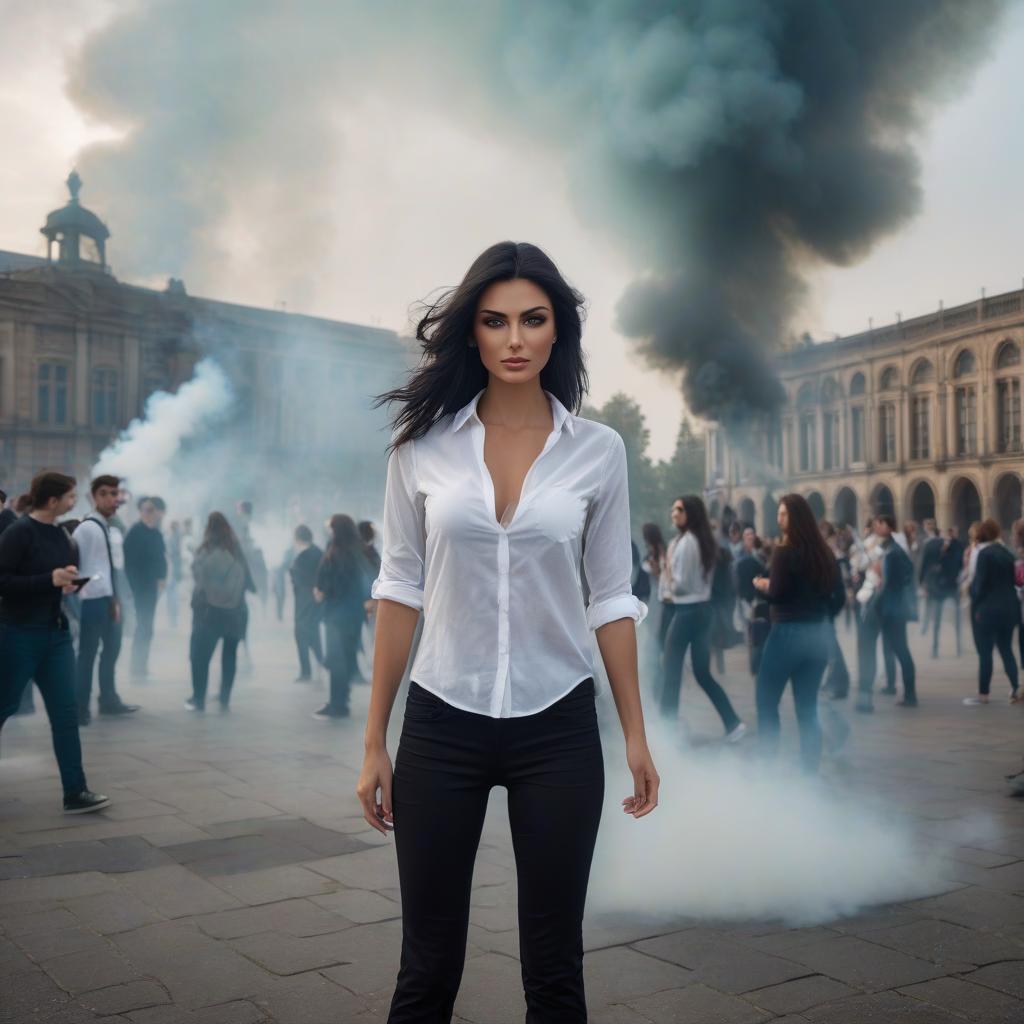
<point>993,590</point>
<point>941,563</point>
<point>145,557</point>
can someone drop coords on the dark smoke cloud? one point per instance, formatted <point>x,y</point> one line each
<point>727,146</point>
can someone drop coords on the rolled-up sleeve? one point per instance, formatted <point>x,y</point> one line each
<point>401,573</point>
<point>607,554</point>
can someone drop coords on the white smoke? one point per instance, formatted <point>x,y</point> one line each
<point>734,839</point>
<point>144,455</point>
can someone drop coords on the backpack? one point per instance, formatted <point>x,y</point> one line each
<point>221,577</point>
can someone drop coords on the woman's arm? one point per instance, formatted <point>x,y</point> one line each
<point>687,568</point>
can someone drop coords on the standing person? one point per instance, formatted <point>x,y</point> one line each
<point>366,634</point>
<point>100,557</point>
<point>755,609</point>
<point>145,562</point>
<point>694,560</point>
<point>925,565</point>
<point>495,493</point>
<point>653,563</point>
<point>343,588</point>
<point>303,571</point>
<point>941,566</point>
<point>804,590</point>
<point>7,515</point>
<point>893,606</point>
<point>252,552</point>
<point>837,677</point>
<point>221,579</point>
<point>995,609</point>
<point>37,567</point>
<point>665,598</point>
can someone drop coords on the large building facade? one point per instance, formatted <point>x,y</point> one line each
<point>921,418</point>
<point>80,353</point>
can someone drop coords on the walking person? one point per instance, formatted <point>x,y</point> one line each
<point>221,579</point>
<point>342,589</point>
<point>145,562</point>
<point>995,610</point>
<point>496,492</point>
<point>694,560</point>
<point>37,568</point>
<point>100,558</point>
<point>303,571</point>
<point>804,590</point>
<point>750,566</point>
<point>941,565</point>
<point>654,564</point>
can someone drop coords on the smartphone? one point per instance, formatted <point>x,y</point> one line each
<point>80,582</point>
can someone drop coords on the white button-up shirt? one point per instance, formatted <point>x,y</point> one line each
<point>93,559</point>
<point>505,629</point>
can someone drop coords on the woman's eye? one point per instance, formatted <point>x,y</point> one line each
<point>494,323</point>
<point>534,321</point>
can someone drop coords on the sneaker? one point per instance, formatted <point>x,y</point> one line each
<point>120,708</point>
<point>327,712</point>
<point>191,705</point>
<point>912,703</point>
<point>736,733</point>
<point>974,702</point>
<point>888,690</point>
<point>84,802</point>
<point>1016,698</point>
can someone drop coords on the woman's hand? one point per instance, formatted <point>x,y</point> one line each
<point>318,595</point>
<point>376,774</point>
<point>65,578</point>
<point>761,583</point>
<point>645,780</point>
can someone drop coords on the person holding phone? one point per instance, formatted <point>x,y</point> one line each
<point>37,568</point>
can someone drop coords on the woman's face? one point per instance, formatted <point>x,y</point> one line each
<point>783,518</point>
<point>514,330</point>
<point>678,515</point>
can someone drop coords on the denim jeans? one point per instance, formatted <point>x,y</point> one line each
<point>552,766</point>
<point>691,628</point>
<point>838,679</point>
<point>937,604</point>
<point>994,631</point>
<point>98,629</point>
<point>342,635</point>
<point>797,652</point>
<point>46,655</point>
<point>307,638</point>
<point>145,610</point>
<point>207,629</point>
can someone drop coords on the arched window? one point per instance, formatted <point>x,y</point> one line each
<point>829,390</point>
<point>857,384</point>
<point>923,373</point>
<point>965,364</point>
<point>1008,355</point>
<point>104,397</point>
<point>805,396</point>
<point>890,379</point>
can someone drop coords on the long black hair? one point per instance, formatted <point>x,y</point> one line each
<point>451,372</point>
<point>697,523</point>
<point>803,535</point>
<point>345,550</point>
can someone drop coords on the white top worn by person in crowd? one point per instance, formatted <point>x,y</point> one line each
<point>690,583</point>
<point>505,630</point>
<point>93,561</point>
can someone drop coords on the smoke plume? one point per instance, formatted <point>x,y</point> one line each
<point>727,146</point>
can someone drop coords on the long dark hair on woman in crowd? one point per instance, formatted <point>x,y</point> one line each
<point>345,550</point>
<point>219,534</point>
<point>451,372</point>
<point>655,540</point>
<point>803,535</point>
<point>698,524</point>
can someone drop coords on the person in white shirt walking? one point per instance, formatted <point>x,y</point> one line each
<point>693,565</point>
<point>495,493</point>
<point>100,558</point>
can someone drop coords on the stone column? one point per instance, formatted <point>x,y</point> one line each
<point>80,385</point>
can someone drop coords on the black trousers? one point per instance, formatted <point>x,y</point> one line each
<point>209,626</point>
<point>994,631</point>
<point>307,638</point>
<point>145,609</point>
<point>98,633</point>
<point>342,634</point>
<point>552,766</point>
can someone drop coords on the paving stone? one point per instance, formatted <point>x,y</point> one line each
<point>196,970</point>
<point>697,1003</point>
<point>491,991</point>
<point>368,869</point>
<point>237,855</point>
<point>359,905</point>
<point>620,974</point>
<point>288,954</point>
<point>974,907</point>
<point>371,954</point>
<point>174,891</point>
<point>48,920</point>
<point>111,856</point>
<point>982,858</point>
<point>720,963</point>
<point>880,1008</point>
<point>864,964</point>
<point>1005,977</point>
<point>949,944</point>
<point>109,912</point>
<point>22,890</point>
<point>800,994</point>
<point>91,969</point>
<point>975,1002</point>
<point>308,999</point>
<point>297,917</point>
<point>274,884</point>
<point>323,842</point>
<point>779,943</point>
<point>135,995</point>
<point>44,945</point>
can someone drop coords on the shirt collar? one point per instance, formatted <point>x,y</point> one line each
<point>561,416</point>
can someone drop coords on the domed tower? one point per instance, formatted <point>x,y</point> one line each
<point>80,235</point>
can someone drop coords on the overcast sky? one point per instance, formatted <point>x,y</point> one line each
<point>400,225</point>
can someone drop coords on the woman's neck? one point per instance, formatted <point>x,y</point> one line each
<point>41,515</point>
<point>515,406</point>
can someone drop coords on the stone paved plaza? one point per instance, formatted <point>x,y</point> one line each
<point>233,881</point>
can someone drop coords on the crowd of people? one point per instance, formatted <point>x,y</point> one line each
<point>70,588</point>
<point>714,583</point>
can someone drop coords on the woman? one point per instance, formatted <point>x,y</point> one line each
<point>995,609</point>
<point>342,589</point>
<point>495,491</point>
<point>37,568</point>
<point>694,558</point>
<point>804,589</point>
<point>219,611</point>
<point>655,564</point>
